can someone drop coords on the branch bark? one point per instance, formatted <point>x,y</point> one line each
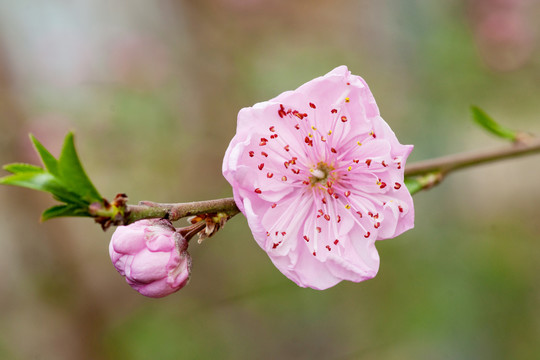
<point>447,164</point>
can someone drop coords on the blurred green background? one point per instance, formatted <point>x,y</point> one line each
<point>152,89</point>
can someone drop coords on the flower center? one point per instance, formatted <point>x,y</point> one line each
<point>321,174</point>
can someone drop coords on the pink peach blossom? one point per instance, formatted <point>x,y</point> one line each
<point>319,176</point>
<point>152,257</point>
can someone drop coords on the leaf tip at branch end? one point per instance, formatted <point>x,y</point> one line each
<point>488,123</point>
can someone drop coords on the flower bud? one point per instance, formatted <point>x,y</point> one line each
<point>152,257</point>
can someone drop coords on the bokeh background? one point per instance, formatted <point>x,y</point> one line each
<point>152,89</point>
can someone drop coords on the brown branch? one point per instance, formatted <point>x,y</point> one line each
<point>173,212</point>
<point>430,172</point>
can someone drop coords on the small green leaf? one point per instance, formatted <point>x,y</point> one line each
<point>63,210</point>
<point>19,168</point>
<point>487,122</point>
<point>49,161</point>
<point>413,184</point>
<point>72,173</point>
<point>42,181</point>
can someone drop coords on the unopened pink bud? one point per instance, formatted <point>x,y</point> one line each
<point>152,257</point>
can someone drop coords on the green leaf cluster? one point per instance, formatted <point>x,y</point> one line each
<point>64,178</point>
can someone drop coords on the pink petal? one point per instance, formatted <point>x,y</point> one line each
<point>149,266</point>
